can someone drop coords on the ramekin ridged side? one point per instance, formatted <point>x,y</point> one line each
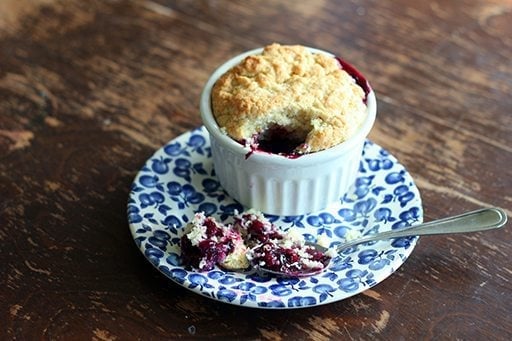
<point>275,184</point>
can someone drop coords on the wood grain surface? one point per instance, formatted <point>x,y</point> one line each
<point>89,90</point>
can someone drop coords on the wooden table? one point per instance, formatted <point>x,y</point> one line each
<point>90,89</point>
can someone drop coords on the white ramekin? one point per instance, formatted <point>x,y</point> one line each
<point>275,184</point>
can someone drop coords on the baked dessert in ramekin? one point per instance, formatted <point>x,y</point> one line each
<point>287,126</point>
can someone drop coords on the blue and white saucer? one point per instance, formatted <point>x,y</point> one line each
<point>179,180</point>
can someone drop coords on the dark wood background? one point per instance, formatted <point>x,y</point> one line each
<point>89,90</point>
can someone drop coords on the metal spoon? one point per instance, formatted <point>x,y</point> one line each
<point>479,220</point>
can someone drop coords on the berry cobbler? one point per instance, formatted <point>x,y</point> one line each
<point>251,239</point>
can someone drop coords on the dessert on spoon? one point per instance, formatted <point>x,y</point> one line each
<point>252,241</point>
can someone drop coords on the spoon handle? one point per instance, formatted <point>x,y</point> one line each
<point>479,220</point>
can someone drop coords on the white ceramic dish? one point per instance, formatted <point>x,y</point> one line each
<point>275,184</point>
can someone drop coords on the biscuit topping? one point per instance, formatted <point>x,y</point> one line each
<point>288,100</point>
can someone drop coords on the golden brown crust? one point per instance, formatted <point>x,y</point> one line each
<point>289,86</point>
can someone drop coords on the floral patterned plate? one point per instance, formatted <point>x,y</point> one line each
<point>179,180</point>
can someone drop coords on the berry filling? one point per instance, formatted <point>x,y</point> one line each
<point>295,260</point>
<point>257,228</point>
<point>279,140</point>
